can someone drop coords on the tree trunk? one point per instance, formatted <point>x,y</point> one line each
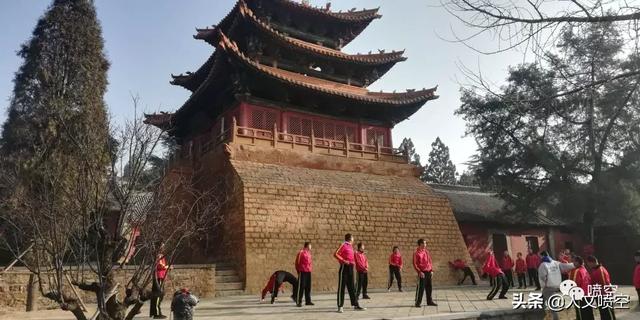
<point>77,311</point>
<point>32,304</point>
<point>134,311</point>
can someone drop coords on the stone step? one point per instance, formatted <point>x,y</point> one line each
<point>229,293</point>
<point>228,286</point>
<point>224,266</point>
<point>228,278</point>
<point>229,272</point>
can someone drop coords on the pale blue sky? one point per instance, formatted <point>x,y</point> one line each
<point>146,40</point>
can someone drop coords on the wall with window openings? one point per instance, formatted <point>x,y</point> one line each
<point>305,124</point>
<point>292,122</point>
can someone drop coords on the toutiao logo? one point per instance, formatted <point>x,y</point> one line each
<point>570,293</point>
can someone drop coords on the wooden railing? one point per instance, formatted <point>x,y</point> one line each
<point>283,140</point>
<point>343,147</point>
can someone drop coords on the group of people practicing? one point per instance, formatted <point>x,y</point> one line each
<point>547,274</point>
<point>353,274</point>
<point>542,270</point>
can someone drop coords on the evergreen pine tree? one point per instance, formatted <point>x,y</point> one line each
<point>468,178</point>
<point>57,117</point>
<point>407,145</point>
<point>439,169</point>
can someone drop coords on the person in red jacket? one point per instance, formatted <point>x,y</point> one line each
<point>395,268</point>
<point>533,262</point>
<point>424,267</point>
<point>492,269</point>
<point>157,285</point>
<point>347,260</point>
<point>275,283</point>
<point>581,276</point>
<point>600,276</point>
<point>362,267</point>
<point>507,267</point>
<point>521,271</point>
<point>460,265</point>
<point>636,274</point>
<point>304,266</point>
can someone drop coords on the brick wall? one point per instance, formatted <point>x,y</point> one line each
<point>200,279</point>
<point>286,206</point>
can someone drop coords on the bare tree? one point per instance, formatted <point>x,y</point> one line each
<point>535,23</point>
<point>534,27</point>
<point>82,230</point>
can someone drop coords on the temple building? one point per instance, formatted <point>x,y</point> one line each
<point>283,110</point>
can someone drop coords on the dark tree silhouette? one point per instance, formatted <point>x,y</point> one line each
<point>439,168</point>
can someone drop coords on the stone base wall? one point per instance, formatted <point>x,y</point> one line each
<point>285,206</point>
<point>200,279</point>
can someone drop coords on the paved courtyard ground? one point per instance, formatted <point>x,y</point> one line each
<point>395,305</point>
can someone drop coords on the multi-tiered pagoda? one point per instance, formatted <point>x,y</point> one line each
<point>280,105</point>
<point>279,63</point>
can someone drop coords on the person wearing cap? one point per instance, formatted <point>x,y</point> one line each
<point>636,275</point>
<point>304,265</point>
<point>182,304</point>
<point>275,283</point>
<point>550,277</point>
<point>582,278</point>
<point>346,258</point>
<point>460,265</point>
<point>500,282</point>
<point>424,267</point>
<point>362,267</point>
<point>600,276</point>
<point>395,268</point>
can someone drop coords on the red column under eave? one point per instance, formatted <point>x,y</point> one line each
<point>284,123</point>
<point>243,114</point>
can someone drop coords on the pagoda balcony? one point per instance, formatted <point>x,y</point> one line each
<point>282,140</point>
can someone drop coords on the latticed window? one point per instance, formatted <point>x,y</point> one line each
<point>270,118</point>
<point>318,129</point>
<point>306,127</point>
<point>256,119</point>
<point>262,119</point>
<point>329,131</point>
<point>340,132</point>
<point>375,136</point>
<point>295,126</point>
<point>351,134</point>
<point>322,128</point>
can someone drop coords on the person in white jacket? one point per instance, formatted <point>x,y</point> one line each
<point>550,276</point>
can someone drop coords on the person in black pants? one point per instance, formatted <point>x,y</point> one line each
<point>362,267</point>
<point>304,266</point>
<point>459,264</point>
<point>276,281</point>
<point>157,286</point>
<point>347,260</point>
<point>499,280</point>
<point>395,268</point>
<point>423,266</point>
<point>533,262</point>
<point>468,273</point>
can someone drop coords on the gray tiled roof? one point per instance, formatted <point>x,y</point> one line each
<point>470,204</point>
